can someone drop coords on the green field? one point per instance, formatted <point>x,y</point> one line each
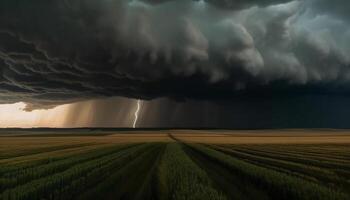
<point>169,167</point>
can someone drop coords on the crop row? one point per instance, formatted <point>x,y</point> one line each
<point>317,161</point>
<point>181,178</point>
<point>176,171</point>
<point>139,173</point>
<point>278,185</point>
<point>340,167</point>
<point>22,163</point>
<point>18,177</point>
<point>17,153</point>
<point>297,156</point>
<point>305,150</point>
<point>297,168</point>
<point>66,184</point>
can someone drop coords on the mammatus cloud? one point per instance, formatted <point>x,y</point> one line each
<point>56,52</point>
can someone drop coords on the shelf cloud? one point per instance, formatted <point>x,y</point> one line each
<point>57,52</point>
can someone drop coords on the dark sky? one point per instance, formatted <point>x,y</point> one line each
<point>287,112</point>
<point>232,63</point>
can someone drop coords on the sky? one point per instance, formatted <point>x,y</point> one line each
<point>192,63</point>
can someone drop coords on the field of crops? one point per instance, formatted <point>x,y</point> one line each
<point>167,167</point>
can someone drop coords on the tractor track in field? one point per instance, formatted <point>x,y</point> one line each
<point>135,179</point>
<point>225,180</point>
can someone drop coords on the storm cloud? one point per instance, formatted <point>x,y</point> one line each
<point>56,52</point>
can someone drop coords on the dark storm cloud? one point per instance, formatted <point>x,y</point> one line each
<point>56,52</point>
<point>242,4</point>
<point>229,4</point>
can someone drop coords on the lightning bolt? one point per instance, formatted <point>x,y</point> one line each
<point>137,113</point>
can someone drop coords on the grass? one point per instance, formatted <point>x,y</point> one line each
<point>161,166</point>
<point>181,178</point>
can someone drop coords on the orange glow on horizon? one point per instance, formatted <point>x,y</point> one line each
<point>13,115</point>
<point>111,112</point>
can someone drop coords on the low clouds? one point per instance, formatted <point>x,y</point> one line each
<point>57,52</point>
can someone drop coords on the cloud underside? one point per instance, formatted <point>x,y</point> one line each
<point>57,52</point>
